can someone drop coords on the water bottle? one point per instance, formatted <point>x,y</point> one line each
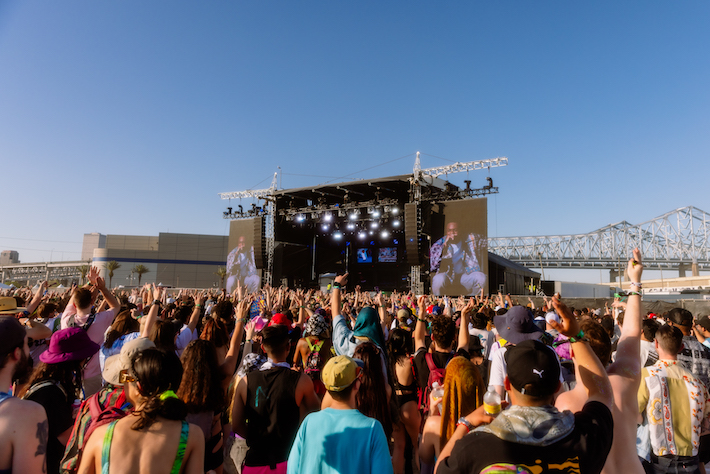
<point>491,401</point>
<point>436,395</point>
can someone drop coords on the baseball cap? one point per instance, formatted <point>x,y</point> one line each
<point>12,334</point>
<point>533,369</point>
<point>122,361</point>
<point>340,372</point>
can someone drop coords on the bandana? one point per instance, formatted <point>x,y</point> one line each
<point>534,426</point>
<point>251,362</point>
<point>316,326</point>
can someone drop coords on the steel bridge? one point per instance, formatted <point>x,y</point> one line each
<point>676,240</point>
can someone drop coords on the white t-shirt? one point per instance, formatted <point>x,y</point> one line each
<point>184,337</point>
<point>38,346</point>
<point>96,332</point>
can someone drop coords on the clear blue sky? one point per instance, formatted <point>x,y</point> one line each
<point>129,117</point>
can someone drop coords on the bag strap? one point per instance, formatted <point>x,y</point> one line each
<point>430,361</point>
<point>34,388</point>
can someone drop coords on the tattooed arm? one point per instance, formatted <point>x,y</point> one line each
<point>30,453</point>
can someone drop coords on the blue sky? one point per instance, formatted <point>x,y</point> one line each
<point>129,117</point>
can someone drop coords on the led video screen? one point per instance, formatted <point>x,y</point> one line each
<point>387,255</point>
<point>241,267</point>
<point>364,255</point>
<point>458,255</point>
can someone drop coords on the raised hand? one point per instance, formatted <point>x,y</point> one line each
<point>568,325</point>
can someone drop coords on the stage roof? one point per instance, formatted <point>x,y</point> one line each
<point>391,187</point>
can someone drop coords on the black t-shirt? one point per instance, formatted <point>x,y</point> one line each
<point>440,360</point>
<point>584,450</point>
<point>59,415</point>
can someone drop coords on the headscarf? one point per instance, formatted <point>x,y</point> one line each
<point>463,393</point>
<point>368,325</point>
<point>316,326</point>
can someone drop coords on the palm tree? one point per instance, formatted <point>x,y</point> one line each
<point>140,270</point>
<point>83,270</point>
<point>222,274</point>
<point>111,266</point>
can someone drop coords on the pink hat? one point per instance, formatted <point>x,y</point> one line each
<point>69,345</point>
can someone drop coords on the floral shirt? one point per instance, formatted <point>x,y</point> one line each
<point>676,404</point>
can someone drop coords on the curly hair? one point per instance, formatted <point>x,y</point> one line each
<point>444,331</point>
<point>201,386</point>
<point>67,374</point>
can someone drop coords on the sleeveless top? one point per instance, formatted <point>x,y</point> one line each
<point>272,415</point>
<point>106,448</point>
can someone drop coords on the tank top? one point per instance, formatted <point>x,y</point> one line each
<point>5,396</point>
<point>272,415</point>
<point>106,448</point>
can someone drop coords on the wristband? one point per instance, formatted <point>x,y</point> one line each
<point>156,302</point>
<point>636,284</point>
<point>198,306</point>
<point>464,422</point>
<point>336,286</point>
<point>578,338</point>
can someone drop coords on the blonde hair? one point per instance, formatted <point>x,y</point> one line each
<point>463,393</point>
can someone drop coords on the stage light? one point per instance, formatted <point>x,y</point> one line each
<point>300,218</point>
<point>351,226</point>
<point>371,232</point>
<point>362,235</point>
<point>384,234</point>
<point>395,210</point>
<point>376,212</point>
<point>328,217</point>
<point>395,241</point>
<point>374,225</point>
<point>396,223</point>
<point>354,214</point>
<point>337,236</point>
<point>324,227</point>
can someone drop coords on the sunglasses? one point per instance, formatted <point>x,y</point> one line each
<point>125,377</point>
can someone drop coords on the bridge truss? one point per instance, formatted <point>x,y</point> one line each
<point>678,239</point>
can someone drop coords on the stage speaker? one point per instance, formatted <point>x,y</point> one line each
<point>260,257</point>
<point>412,233</point>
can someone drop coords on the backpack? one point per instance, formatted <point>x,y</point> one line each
<point>313,361</point>
<point>92,415</point>
<point>436,374</point>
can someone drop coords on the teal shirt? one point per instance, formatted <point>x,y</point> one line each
<point>339,442</point>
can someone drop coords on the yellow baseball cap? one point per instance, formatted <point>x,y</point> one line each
<point>340,372</point>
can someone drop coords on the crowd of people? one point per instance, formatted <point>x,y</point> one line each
<point>279,380</point>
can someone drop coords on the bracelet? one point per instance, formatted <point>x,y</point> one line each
<point>636,284</point>
<point>464,422</point>
<point>422,320</point>
<point>578,338</point>
<point>336,286</point>
<point>198,305</point>
<point>633,293</point>
<point>157,302</point>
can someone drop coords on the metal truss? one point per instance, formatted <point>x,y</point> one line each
<point>677,239</point>
<point>457,167</point>
<point>269,213</point>
<point>33,272</point>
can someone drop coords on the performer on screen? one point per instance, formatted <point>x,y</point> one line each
<point>455,265</point>
<point>242,268</point>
